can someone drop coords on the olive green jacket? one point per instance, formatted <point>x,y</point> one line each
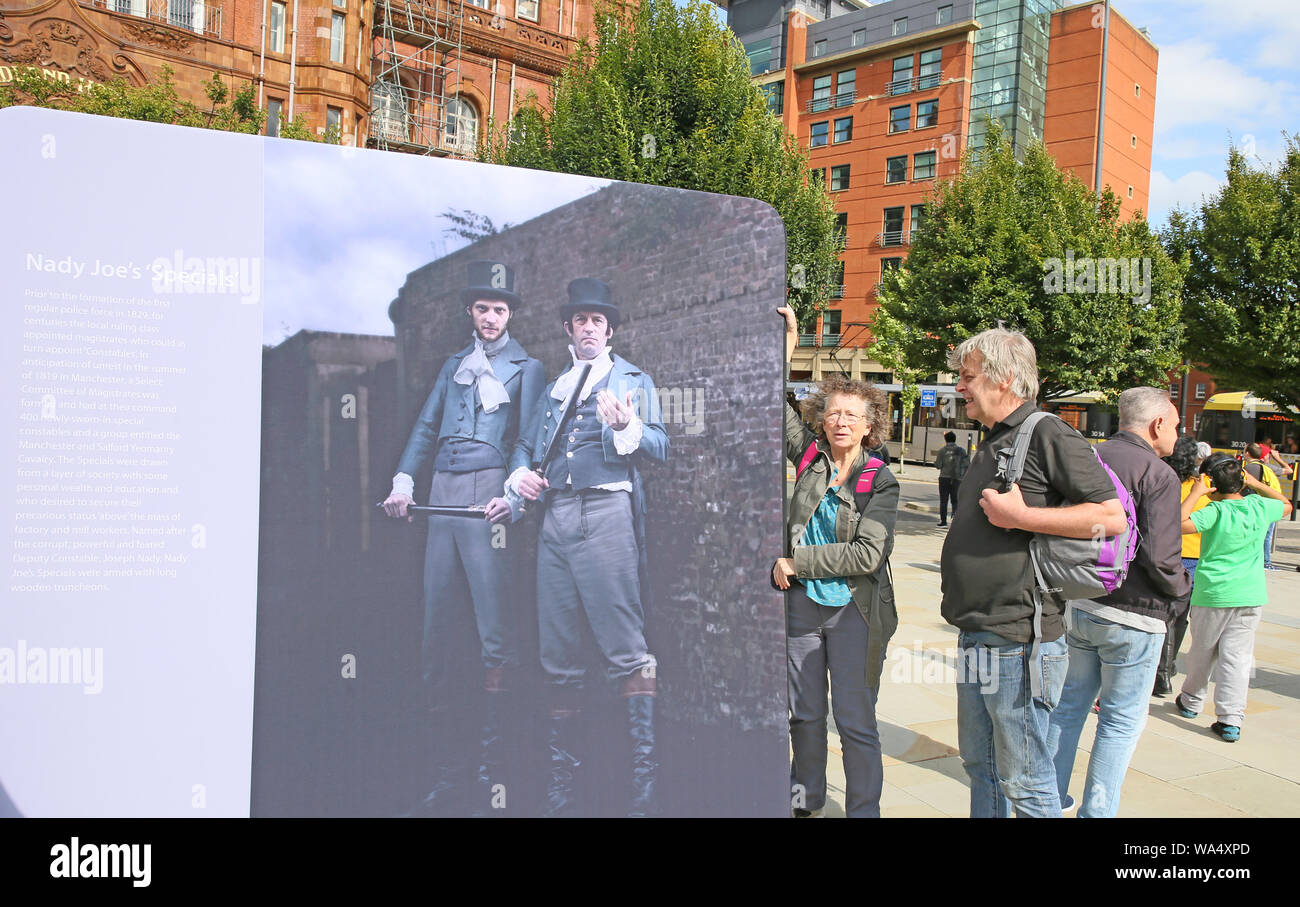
<point>861,556</point>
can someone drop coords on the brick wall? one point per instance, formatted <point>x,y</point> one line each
<point>697,278</point>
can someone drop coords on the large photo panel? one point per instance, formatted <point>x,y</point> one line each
<point>616,649</point>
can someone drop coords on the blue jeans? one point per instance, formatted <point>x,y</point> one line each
<point>1268,545</point>
<point>1002,730</point>
<point>1119,662</point>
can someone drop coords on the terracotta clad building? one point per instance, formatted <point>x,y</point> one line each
<point>887,96</point>
<point>413,75</point>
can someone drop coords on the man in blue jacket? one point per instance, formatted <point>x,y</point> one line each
<point>473,427</point>
<point>589,560</point>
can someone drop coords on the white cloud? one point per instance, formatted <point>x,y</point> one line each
<point>1185,192</point>
<point>1197,86</point>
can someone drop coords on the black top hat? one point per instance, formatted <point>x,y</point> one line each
<point>587,294</point>
<point>490,280</point>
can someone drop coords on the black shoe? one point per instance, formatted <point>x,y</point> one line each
<point>640,715</point>
<point>1162,687</point>
<point>489,790</point>
<point>943,525</point>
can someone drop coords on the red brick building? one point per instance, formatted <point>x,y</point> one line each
<point>414,75</point>
<point>887,97</point>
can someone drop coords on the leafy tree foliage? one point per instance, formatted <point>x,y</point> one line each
<point>156,102</point>
<point>663,95</point>
<point>1242,293</point>
<point>1030,247</point>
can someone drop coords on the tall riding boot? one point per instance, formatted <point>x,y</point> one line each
<point>450,771</point>
<point>490,789</point>
<point>561,800</point>
<point>639,693</point>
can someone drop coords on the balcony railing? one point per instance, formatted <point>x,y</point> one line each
<point>841,241</point>
<point>843,99</point>
<point>920,83</point>
<point>831,339</point>
<point>837,291</point>
<point>807,339</point>
<point>894,238</point>
<point>203,17</point>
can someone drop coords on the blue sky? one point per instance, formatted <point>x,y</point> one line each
<point>1229,70</point>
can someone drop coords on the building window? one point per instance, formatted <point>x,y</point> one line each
<point>890,264</point>
<point>526,9</point>
<point>336,37</point>
<point>841,230</point>
<point>462,125</point>
<point>843,129</point>
<point>1200,391</point>
<point>817,134</point>
<point>775,94</point>
<point>839,178</point>
<point>341,4</point>
<point>900,26</point>
<point>831,319</point>
<point>927,76</point>
<point>1134,141</point>
<point>1130,192</point>
<point>1173,390</point>
<point>333,121</point>
<point>900,118</point>
<point>923,165</point>
<point>918,218</point>
<point>944,15</point>
<point>846,87</point>
<point>277,27</point>
<point>893,235</point>
<point>819,47</point>
<point>272,117</point>
<point>1137,90</point>
<point>896,169</point>
<point>388,119</point>
<point>821,96</point>
<point>837,291</point>
<point>859,37</point>
<point>901,81</point>
<point>818,176</point>
<point>760,56</point>
<point>927,114</point>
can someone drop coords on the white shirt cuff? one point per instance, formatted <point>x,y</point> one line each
<point>628,439</point>
<point>512,481</point>
<point>404,484</point>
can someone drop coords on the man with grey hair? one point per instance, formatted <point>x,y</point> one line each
<point>988,581</point>
<point>1116,641</point>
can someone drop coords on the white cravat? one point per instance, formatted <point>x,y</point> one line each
<point>600,367</point>
<point>477,367</point>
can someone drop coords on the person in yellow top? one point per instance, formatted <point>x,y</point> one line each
<point>1256,466</point>
<point>1185,461</point>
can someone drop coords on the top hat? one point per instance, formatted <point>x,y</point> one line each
<point>587,294</point>
<point>490,280</point>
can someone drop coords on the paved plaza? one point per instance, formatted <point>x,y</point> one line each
<point>1179,769</point>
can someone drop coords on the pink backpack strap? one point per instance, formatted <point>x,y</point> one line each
<point>808,456</point>
<point>868,475</point>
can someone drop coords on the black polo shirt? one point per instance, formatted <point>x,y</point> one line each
<point>987,578</point>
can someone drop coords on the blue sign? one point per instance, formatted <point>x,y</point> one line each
<point>927,396</point>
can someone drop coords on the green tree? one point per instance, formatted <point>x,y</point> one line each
<point>1030,247</point>
<point>1241,300</point>
<point>155,102</point>
<point>663,96</point>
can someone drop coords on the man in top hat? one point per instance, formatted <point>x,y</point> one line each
<point>589,559</point>
<point>471,427</point>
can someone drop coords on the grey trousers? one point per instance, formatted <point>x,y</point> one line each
<point>1223,642</point>
<point>464,574</point>
<point>822,641</point>
<point>587,573</point>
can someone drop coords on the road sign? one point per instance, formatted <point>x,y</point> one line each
<point>927,396</point>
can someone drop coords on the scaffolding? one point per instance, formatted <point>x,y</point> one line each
<point>416,73</point>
